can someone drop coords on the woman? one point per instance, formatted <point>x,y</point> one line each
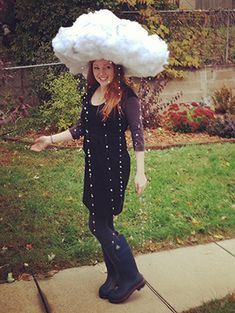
<point>93,45</point>
<point>109,107</point>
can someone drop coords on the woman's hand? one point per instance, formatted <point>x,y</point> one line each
<point>41,143</point>
<point>140,183</point>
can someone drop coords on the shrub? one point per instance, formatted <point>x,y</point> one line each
<point>187,118</point>
<point>149,102</point>
<point>224,101</point>
<point>149,92</point>
<point>222,126</point>
<point>63,109</point>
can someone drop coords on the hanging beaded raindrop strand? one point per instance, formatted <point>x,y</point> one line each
<point>142,82</point>
<point>136,135</point>
<point>120,139</point>
<point>87,138</point>
<point>109,172</point>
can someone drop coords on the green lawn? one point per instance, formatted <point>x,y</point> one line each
<point>189,199</point>
<point>226,305</point>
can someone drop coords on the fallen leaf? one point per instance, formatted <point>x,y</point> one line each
<point>192,239</point>
<point>51,256</point>
<point>46,194</point>
<point>29,246</point>
<point>25,277</point>
<point>51,273</point>
<point>194,221</point>
<point>219,237</point>
<point>179,241</point>
<point>10,278</point>
<point>4,249</point>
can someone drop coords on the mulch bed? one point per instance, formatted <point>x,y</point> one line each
<point>154,139</point>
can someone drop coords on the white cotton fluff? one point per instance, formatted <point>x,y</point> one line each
<point>102,35</point>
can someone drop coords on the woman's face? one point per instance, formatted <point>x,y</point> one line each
<point>103,71</point>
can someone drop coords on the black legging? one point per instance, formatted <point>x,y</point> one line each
<point>103,229</point>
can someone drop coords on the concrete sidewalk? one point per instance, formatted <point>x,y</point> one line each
<point>176,280</point>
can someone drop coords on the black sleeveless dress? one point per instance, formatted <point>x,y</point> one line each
<point>107,161</point>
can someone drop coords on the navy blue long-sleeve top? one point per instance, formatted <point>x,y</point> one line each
<point>131,118</point>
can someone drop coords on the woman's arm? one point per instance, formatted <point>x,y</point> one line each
<point>42,142</point>
<point>133,114</point>
<point>140,178</point>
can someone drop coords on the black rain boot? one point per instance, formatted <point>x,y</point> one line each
<point>112,277</point>
<point>129,277</point>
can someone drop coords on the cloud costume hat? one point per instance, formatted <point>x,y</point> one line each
<point>102,35</point>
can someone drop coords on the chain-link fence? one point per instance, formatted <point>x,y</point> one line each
<point>212,33</point>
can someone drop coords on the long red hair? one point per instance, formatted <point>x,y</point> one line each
<point>114,91</point>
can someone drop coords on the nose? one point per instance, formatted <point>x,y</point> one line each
<point>102,71</point>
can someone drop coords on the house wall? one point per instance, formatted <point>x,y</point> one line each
<point>199,85</point>
<point>214,4</point>
<point>187,4</point>
<point>206,4</point>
